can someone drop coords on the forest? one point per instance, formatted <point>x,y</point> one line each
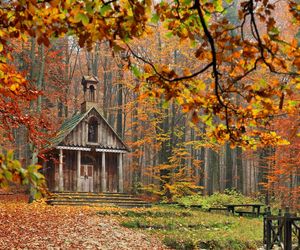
<point>203,95</point>
<point>235,129</point>
<point>179,131</point>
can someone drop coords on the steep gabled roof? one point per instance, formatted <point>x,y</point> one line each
<point>70,124</point>
<point>67,126</point>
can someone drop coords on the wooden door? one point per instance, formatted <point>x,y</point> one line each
<point>86,178</point>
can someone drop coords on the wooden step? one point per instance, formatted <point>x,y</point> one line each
<point>96,199</point>
<point>102,204</point>
<point>100,197</point>
<point>119,203</point>
<point>92,194</point>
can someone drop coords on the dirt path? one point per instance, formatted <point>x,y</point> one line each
<point>38,226</point>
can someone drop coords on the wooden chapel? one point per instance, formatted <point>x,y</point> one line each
<point>86,153</point>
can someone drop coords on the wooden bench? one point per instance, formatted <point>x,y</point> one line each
<point>254,207</point>
<point>189,206</point>
<point>217,209</point>
<point>242,213</point>
<point>196,206</point>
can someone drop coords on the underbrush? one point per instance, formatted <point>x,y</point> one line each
<point>216,199</point>
<point>182,228</point>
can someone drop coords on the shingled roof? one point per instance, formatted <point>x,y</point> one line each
<point>67,126</point>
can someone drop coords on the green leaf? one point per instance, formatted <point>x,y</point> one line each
<point>165,104</point>
<point>274,32</point>
<point>85,19</point>
<point>187,2</point>
<point>193,43</point>
<point>218,5</point>
<point>104,9</point>
<point>90,7</point>
<point>169,34</point>
<point>136,71</point>
<point>155,18</point>
<point>3,59</point>
<point>81,17</point>
<point>293,103</point>
<point>207,119</point>
<point>7,175</point>
<point>263,83</point>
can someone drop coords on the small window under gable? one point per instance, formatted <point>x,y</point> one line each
<point>93,130</point>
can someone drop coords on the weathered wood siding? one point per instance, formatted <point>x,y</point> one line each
<point>112,180</point>
<point>70,170</point>
<point>106,136</point>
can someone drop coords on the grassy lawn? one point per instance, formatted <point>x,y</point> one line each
<point>182,228</point>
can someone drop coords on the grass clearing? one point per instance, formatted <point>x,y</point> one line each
<point>183,228</point>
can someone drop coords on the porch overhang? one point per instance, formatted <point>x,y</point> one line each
<point>106,150</point>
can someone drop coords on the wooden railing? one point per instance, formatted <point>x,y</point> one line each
<point>282,230</point>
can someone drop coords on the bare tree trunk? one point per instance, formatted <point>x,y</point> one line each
<point>234,168</point>
<point>206,170</point>
<point>222,165</point>
<point>39,84</point>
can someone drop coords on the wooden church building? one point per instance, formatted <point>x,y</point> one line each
<point>86,154</point>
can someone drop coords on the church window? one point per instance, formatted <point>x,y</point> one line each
<point>93,130</point>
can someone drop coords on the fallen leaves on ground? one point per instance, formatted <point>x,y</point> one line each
<point>39,226</point>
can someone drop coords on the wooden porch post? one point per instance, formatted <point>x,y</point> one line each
<point>78,169</point>
<point>103,173</point>
<point>60,172</point>
<point>120,170</point>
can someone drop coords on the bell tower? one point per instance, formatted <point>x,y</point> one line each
<point>90,84</point>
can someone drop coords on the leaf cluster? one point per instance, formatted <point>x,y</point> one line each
<point>11,171</point>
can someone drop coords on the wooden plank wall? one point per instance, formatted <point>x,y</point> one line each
<point>70,171</point>
<point>106,137</point>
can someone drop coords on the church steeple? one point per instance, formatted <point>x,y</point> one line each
<point>89,84</point>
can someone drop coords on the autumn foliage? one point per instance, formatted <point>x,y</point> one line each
<point>39,226</point>
<point>282,172</point>
<point>239,73</point>
<point>229,46</point>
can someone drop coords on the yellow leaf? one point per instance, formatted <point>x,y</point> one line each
<point>14,87</point>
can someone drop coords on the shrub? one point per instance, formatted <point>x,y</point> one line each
<point>216,199</point>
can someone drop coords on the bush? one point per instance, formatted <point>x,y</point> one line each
<point>216,199</point>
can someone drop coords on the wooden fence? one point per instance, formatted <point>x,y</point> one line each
<point>281,230</point>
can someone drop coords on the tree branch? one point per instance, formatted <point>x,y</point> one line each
<point>163,77</point>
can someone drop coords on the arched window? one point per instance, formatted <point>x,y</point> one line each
<point>93,130</point>
<point>92,93</point>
